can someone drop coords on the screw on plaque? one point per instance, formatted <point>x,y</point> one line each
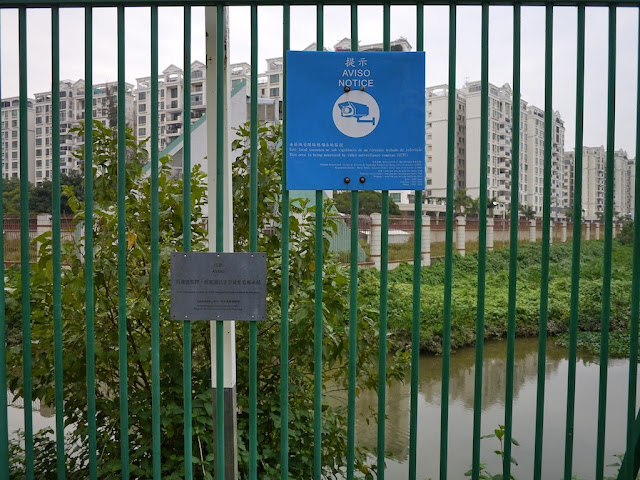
<point>362,88</point>
<point>362,179</point>
<point>347,88</point>
<point>347,179</point>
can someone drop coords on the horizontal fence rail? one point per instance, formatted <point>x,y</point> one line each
<point>88,304</point>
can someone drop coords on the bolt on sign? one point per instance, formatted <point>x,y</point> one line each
<point>218,286</point>
<point>355,120</point>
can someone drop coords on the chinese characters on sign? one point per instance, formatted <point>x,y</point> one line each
<point>218,286</point>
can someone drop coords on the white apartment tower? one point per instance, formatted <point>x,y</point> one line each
<point>593,182</point>
<point>437,138</point>
<point>10,138</point>
<point>535,162</point>
<point>72,112</point>
<point>499,142</point>
<point>623,184</point>
<point>568,179</point>
<point>171,102</point>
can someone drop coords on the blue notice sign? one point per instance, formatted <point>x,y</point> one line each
<point>355,121</point>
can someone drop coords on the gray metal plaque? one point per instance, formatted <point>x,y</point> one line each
<point>218,286</point>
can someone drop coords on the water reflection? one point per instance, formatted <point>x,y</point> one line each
<point>493,396</point>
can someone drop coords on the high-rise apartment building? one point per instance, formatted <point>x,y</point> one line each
<point>499,142</point>
<point>10,137</point>
<point>499,147</point>
<point>594,174</point>
<point>171,102</point>
<point>593,182</point>
<point>623,184</point>
<point>437,138</point>
<point>72,112</point>
<point>568,180</point>
<point>534,162</point>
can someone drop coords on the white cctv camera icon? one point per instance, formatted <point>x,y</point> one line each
<point>357,111</point>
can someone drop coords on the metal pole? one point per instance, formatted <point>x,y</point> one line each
<point>213,129</point>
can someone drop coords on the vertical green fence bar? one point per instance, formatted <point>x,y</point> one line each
<point>155,254</point>
<point>482,241</point>
<point>635,298</point>
<point>88,242</point>
<point>186,232</point>
<point>24,248</point>
<point>546,220</point>
<point>57,270</point>
<point>122,255</point>
<point>608,244</point>
<point>253,247</point>
<point>448,253</point>
<point>284,296</point>
<point>415,313</point>
<point>353,298</point>
<point>513,243</point>
<point>318,325</point>
<point>384,291</point>
<point>220,95</point>
<point>575,253</point>
<point>4,421</point>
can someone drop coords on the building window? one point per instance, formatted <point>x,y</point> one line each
<point>39,131</point>
<point>142,107</point>
<point>274,92</point>
<point>142,132</point>
<point>274,78</point>
<point>142,120</point>
<point>174,104</point>
<point>196,74</point>
<point>142,96</point>
<point>174,92</point>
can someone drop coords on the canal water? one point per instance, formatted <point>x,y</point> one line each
<point>493,395</point>
<point>461,413</point>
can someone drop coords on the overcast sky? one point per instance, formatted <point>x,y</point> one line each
<point>337,26</point>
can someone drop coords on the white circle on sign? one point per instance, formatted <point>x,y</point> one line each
<point>356,113</point>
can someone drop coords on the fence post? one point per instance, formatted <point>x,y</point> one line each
<point>587,235</point>
<point>376,240</point>
<point>490,234</point>
<point>598,231</point>
<point>461,234</point>
<point>532,230</point>
<point>426,240</point>
<point>43,225</point>
<point>551,225</point>
<point>563,235</point>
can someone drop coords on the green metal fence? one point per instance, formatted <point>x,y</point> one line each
<point>632,460</point>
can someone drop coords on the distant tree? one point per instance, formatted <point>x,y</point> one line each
<point>40,196</point>
<point>11,196</point>
<point>369,202</point>
<point>461,201</point>
<point>626,234</point>
<point>568,213</point>
<point>527,211</point>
